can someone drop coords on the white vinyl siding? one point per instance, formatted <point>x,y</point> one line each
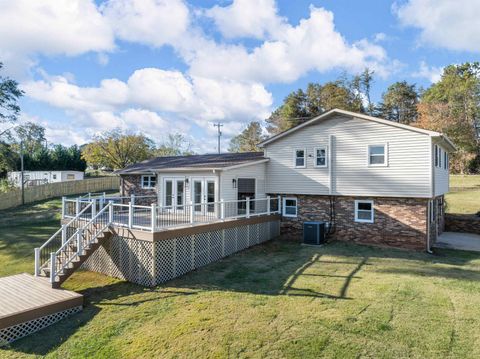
<point>407,174</point>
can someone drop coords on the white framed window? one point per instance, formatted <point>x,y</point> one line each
<point>364,211</point>
<point>321,156</point>
<point>149,181</point>
<point>290,208</point>
<point>378,155</point>
<point>446,161</point>
<point>299,158</point>
<point>440,154</point>
<point>436,155</point>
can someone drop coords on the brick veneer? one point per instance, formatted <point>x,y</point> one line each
<point>131,184</point>
<point>399,222</point>
<point>467,223</point>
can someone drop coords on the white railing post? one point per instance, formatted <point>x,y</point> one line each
<point>52,267</point>
<point>89,196</point>
<point>77,206</point>
<point>154,216</point>
<point>192,212</point>
<point>132,199</point>
<point>79,243</point>
<point>63,206</point>
<point>268,205</point>
<point>222,209</point>
<point>94,208</point>
<point>279,205</point>
<point>110,212</point>
<point>37,262</point>
<point>130,215</point>
<point>64,234</point>
<point>247,202</point>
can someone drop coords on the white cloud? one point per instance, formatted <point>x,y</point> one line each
<point>444,23</point>
<point>151,22</point>
<point>247,18</point>
<point>50,27</point>
<point>314,44</point>
<point>431,73</point>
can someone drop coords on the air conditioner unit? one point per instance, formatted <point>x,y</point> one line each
<point>313,233</point>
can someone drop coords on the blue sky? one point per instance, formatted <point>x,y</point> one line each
<point>159,67</point>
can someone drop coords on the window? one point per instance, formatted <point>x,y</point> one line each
<point>377,155</point>
<point>70,177</point>
<point>446,161</point>
<point>55,177</point>
<point>289,207</point>
<point>440,153</point>
<point>436,155</point>
<point>149,181</point>
<point>364,211</point>
<point>321,157</point>
<point>300,158</point>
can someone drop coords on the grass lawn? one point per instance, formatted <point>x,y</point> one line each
<point>277,300</point>
<point>465,194</point>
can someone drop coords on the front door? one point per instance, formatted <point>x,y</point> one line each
<point>174,193</point>
<point>203,194</point>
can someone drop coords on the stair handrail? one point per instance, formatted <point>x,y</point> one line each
<point>65,225</point>
<point>77,235</point>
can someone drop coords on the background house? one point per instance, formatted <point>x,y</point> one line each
<point>34,178</point>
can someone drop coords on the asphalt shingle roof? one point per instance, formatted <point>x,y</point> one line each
<point>193,162</point>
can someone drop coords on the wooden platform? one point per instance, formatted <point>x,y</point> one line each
<point>24,297</point>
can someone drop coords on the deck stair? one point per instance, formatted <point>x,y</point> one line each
<point>59,257</point>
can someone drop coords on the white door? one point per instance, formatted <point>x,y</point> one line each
<point>174,193</point>
<point>203,194</point>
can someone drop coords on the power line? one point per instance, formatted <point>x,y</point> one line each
<point>218,126</point>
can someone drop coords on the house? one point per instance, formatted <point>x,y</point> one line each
<point>372,180</point>
<point>34,178</point>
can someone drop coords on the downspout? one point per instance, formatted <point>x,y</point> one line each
<point>432,194</point>
<point>429,250</point>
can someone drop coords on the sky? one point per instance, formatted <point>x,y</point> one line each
<point>175,66</point>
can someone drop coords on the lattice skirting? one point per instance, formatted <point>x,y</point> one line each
<point>151,263</point>
<point>8,335</point>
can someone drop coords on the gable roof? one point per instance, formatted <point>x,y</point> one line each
<point>334,112</point>
<point>194,162</point>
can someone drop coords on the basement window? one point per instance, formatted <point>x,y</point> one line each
<point>149,182</point>
<point>289,207</point>
<point>364,211</point>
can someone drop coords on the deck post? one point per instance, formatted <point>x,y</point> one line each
<point>247,202</point>
<point>192,213</point>
<point>268,205</point>
<point>279,206</point>
<point>222,209</point>
<point>154,216</point>
<point>94,208</point>
<point>77,206</point>
<point>64,234</point>
<point>130,215</point>
<point>132,199</point>
<point>79,243</point>
<point>89,196</point>
<point>52,267</point>
<point>63,206</point>
<point>37,262</point>
<point>110,212</point>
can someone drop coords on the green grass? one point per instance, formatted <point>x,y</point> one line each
<point>277,300</point>
<point>464,196</point>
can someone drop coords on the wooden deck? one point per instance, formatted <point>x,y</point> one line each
<point>24,297</point>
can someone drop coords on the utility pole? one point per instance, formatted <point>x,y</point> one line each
<point>218,126</point>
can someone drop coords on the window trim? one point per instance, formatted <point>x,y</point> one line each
<point>284,199</point>
<point>304,157</point>
<point>385,155</point>
<point>359,220</point>
<point>149,182</point>
<point>325,147</point>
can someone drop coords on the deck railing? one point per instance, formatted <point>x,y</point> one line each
<point>155,218</point>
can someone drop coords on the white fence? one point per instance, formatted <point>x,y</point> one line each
<point>126,213</point>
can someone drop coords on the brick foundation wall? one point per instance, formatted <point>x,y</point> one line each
<point>398,222</point>
<point>131,184</point>
<point>466,223</point>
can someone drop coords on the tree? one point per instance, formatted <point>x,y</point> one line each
<point>116,150</point>
<point>175,145</point>
<point>399,103</point>
<point>248,140</point>
<point>452,106</point>
<point>361,85</point>
<point>292,112</point>
<point>9,95</point>
<point>31,136</point>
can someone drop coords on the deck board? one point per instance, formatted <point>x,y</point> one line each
<point>24,297</point>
